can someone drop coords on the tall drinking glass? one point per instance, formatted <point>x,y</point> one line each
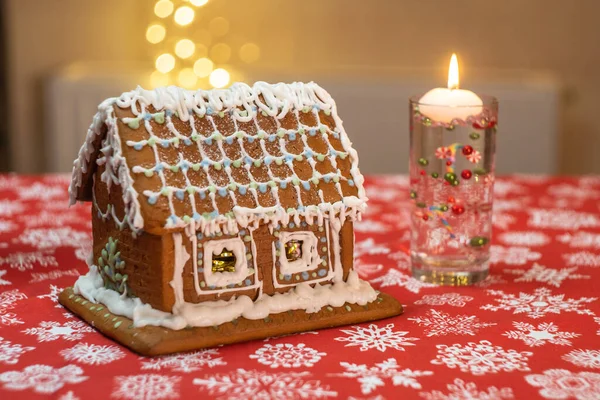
<point>451,183</point>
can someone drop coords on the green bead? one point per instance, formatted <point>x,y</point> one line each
<point>450,177</point>
<point>435,175</point>
<point>159,117</point>
<point>423,161</point>
<point>426,121</point>
<point>134,123</point>
<point>413,194</point>
<point>479,171</point>
<point>237,163</point>
<point>454,183</point>
<point>148,173</point>
<point>196,167</point>
<point>478,241</point>
<point>474,135</point>
<point>444,207</point>
<point>421,205</point>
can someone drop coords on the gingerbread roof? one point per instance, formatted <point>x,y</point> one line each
<point>221,158</point>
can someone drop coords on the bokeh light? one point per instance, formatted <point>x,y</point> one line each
<point>185,48</point>
<point>163,8</point>
<point>187,78</point>
<point>203,67</point>
<point>220,53</point>
<point>249,52</point>
<point>219,78</point>
<point>165,63</point>
<point>158,79</point>
<point>155,33</point>
<point>184,15</point>
<point>218,26</point>
<point>198,3</point>
<point>201,50</point>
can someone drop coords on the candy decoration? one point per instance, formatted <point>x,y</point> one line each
<point>423,172</point>
<point>479,171</point>
<point>439,212</point>
<point>458,209</point>
<point>451,199</point>
<point>449,163</point>
<point>421,205</point>
<point>444,207</point>
<point>466,150</point>
<point>423,161</point>
<point>466,174</point>
<point>413,194</point>
<point>450,177</point>
<point>443,152</point>
<point>455,182</point>
<point>474,135</point>
<point>478,241</point>
<point>425,217</point>
<point>474,157</point>
<point>435,175</point>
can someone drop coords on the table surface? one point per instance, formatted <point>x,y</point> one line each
<point>531,330</point>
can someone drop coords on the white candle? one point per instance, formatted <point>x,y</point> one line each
<point>444,105</point>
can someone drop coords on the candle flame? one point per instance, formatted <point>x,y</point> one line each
<point>453,73</point>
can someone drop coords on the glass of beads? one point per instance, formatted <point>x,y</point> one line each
<point>451,188</point>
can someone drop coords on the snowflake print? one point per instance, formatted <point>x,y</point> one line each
<point>43,379</point>
<point>23,261</point>
<point>2,281</point>
<point>584,358</point>
<point>399,219</point>
<point>545,332</point>
<point>10,353</point>
<point>452,299</point>
<point>438,323</point>
<point>39,191</point>
<point>287,355</point>
<point>53,295</point>
<point>7,302</point>
<point>481,358</point>
<point>48,331</point>
<point>529,239</point>
<point>402,259</point>
<point>580,239</point>
<point>564,384</point>
<point>597,320</point>
<point>370,378</point>
<point>7,226</point>
<point>69,396</point>
<point>371,226</point>
<point>572,191</point>
<point>561,219</point>
<point>363,270</point>
<point>92,354</point>
<point>185,362</point>
<point>48,219</point>
<point>396,278</point>
<point>461,390</point>
<point>474,157</point>
<point>540,273</point>
<point>538,304</point>
<point>49,238</point>
<point>512,255</point>
<point>388,194</point>
<point>583,259</point>
<point>501,205</point>
<point>248,385</point>
<point>369,247</point>
<point>11,181</point>
<point>490,280</point>
<point>502,220</point>
<point>503,187</point>
<point>44,276</point>
<point>10,207</point>
<point>373,337</point>
<point>146,387</point>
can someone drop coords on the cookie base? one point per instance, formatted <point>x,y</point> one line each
<point>156,340</point>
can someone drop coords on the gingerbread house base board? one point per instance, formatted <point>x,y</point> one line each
<point>155,340</point>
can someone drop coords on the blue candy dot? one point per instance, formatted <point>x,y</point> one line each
<point>287,277</point>
<point>138,146</point>
<point>229,140</point>
<point>223,192</point>
<point>147,116</point>
<point>242,190</point>
<point>250,139</point>
<point>152,200</point>
<point>306,185</point>
<point>227,163</point>
<point>291,225</point>
<point>200,269</point>
<point>268,160</point>
<point>305,275</point>
<point>272,138</point>
<point>283,184</point>
<point>248,282</point>
<point>179,194</point>
<point>323,239</point>
<point>350,182</point>
<point>187,141</point>
<point>262,187</point>
<point>326,178</point>
<point>312,131</point>
<point>322,272</point>
<point>202,195</point>
<point>292,136</point>
<point>208,141</point>
<point>164,143</point>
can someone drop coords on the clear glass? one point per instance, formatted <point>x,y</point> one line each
<point>451,183</point>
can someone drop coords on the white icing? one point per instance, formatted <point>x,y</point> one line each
<point>221,279</point>
<point>211,313</point>
<point>310,255</point>
<point>181,257</point>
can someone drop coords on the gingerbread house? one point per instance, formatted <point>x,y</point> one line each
<point>213,206</point>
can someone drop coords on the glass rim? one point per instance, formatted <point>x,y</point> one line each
<point>487,100</point>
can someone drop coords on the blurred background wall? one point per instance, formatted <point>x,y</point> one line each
<point>546,49</point>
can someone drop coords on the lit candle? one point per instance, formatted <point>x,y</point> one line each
<point>444,105</point>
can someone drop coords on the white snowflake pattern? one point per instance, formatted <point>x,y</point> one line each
<point>10,353</point>
<point>49,238</point>
<point>538,304</point>
<point>503,220</point>
<point>402,259</point>
<point>512,255</point>
<point>583,358</point>
<point>524,238</point>
<point>287,355</point>
<point>23,261</point>
<point>461,390</point>
<point>545,332</point>
<point>374,337</point>
<point>248,385</point>
<point>539,273</point>
<point>503,187</point>
<point>39,191</point>
<point>69,396</point>
<point>564,384</point>
<point>48,331</point>
<point>146,387</point>
<point>370,378</point>
<point>11,181</point>
<point>364,270</point>
<point>92,354</point>
<point>560,202</point>
<point>368,246</point>
<point>399,219</point>
<point>572,191</point>
<point>49,219</point>
<point>44,276</point>
<point>7,302</point>
<point>53,295</point>
<point>490,280</point>
<point>438,323</point>
<point>2,281</point>
<point>580,239</point>
<point>582,259</point>
<point>481,358</point>
<point>387,194</point>
<point>393,277</point>
<point>43,379</point>
<point>561,219</point>
<point>371,226</point>
<point>597,320</point>
<point>452,299</point>
<point>7,226</point>
<point>501,205</point>
<point>185,362</point>
<point>10,207</point>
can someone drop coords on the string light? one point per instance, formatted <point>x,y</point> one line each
<point>219,78</point>
<point>155,33</point>
<point>165,63</point>
<point>184,15</point>
<point>203,67</point>
<point>163,8</point>
<point>198,3</point>
<point>185,48</point>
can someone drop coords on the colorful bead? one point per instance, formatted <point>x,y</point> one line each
<point>479,171</point>
<point>478,241</point>
<point>425,217</point>
<point>423,161</point>
<point>455,182</point>
<point>450,177</point>
<point>435,175</point>
<point>413,194</point>
<point>458,209</point>
<point>474,135</point>
<point>467,150</point>
<point>444,207</point>
<point>466,174</point>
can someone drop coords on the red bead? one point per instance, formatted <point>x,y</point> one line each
<point>446,183</point>
<point>467,150</point>
<point>492,124</point>
<point>448,163</point>
<point>451,199</point>
<point>458,209</point>
<point>425,217</point>
<point>466,174</point>
<point>423,172</point>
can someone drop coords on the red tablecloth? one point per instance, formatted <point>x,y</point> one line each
<point>531,330</point>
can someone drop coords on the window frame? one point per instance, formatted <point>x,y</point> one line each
<point>222,279</point>
<point>310,255</point>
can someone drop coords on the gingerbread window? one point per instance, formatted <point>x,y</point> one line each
<point>298,252</point>
<point>225,262</point>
